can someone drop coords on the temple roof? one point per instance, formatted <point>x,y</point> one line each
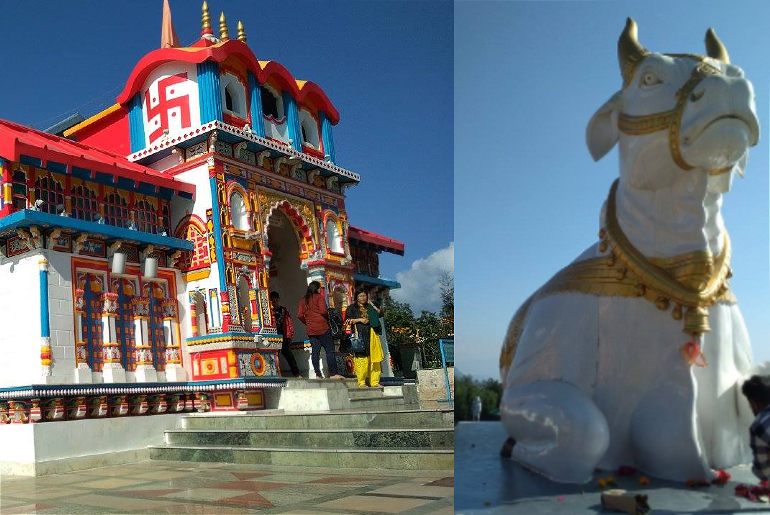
<point>379,242</point>
<point>17,141</point>
<point>303,91</point>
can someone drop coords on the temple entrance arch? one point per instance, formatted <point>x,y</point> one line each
<point>285,274</point>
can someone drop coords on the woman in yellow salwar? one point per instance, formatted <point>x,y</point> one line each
<point>360,317</point>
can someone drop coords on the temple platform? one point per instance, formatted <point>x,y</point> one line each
<point>296,422</point>
<point>490,485</point>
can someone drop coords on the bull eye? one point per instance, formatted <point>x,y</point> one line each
<point>649,79</point>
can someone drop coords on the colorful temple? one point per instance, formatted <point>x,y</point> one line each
<point>148,237</point>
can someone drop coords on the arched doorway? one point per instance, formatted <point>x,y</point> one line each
<point>286,276</point>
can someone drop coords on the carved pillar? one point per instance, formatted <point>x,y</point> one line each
<point>193,315</point>
<point>112,370</point>
<point>82,370</point>
<point>145,372</point>
<point>174,370</point>
<point>45,328</point>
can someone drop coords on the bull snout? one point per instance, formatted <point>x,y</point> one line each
<point>719,98</point>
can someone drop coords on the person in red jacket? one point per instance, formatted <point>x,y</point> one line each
<point>314,314</point>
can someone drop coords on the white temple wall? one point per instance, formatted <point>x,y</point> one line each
<point>20,321</point>
<point>61,317</point>
<point>199,176</point>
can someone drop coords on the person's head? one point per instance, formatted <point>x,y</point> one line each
<point>338,297</point>
<point>757,391</point>
<point>362,298</point>
<point>312,288</point>
<point>275,299</point>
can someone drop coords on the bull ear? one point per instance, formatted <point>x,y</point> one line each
<point>602,131</point>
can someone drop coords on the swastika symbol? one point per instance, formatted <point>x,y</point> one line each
<point>163,107</point>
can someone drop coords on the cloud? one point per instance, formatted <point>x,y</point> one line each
<point>420,286</point>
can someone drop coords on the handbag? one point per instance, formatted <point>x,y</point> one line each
<point>289,329</point>
<point>335,324</point>
<point>357,344</point>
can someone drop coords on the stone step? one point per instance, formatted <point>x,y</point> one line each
<point>374,418</point>
<point>369,402</point>
<point>442,438</point>
<point>399,459</point>
<point>368,393</point>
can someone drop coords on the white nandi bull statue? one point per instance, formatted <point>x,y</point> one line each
<point>634,353</point>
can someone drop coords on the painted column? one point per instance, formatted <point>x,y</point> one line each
<point>215,312</point>
<point>145,372</point>
<point>112,371</point>
<point>174,370</point>
<point>209,92</point>
<point>255,94</point>
<point>215,217</point>
<point>256,326</point>
<point>292,121</point>
<point>328,139</point>
<point>136,123</point>
<point>82,370</point>
<point>45,328</point>
<point>193,315</point>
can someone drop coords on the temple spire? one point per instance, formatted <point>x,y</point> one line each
<point>241,32</point>
<point>223,28</point>
<point>206,21</point>
<point>168,37</point>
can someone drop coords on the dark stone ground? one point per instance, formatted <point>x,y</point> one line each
<point>485,484</point>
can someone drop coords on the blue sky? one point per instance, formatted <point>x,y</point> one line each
<point>528,77</point>
<point>386,66</point>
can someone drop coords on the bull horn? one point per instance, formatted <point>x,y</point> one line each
<point>630,51</point>
<point>714,48</point>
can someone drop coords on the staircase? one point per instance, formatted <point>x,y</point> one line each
<point>377,431</point>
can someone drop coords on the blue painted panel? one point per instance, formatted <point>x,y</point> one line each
<point>209,92</point>
<point>328,139</point>
<point>27,217</point>
<point>217,235</point>
<point>292,121</point>
<point>45,329</point>
<point>31,161</point>
<point>136,123</point>
<point>255,92</point>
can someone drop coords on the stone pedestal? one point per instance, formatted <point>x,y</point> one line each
<point>146,374</point>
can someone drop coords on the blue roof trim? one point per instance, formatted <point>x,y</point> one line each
<point>27,217</point>
<point>376,280</point>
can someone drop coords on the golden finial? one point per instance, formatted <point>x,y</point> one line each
<point>206,19</point>
<point>223,28</point>
<point>241,32</point>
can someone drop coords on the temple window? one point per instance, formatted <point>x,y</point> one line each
<point>333,236</point>
<point>116,210</point>
<point>92,320</point>
<point>166,222</point>
<point>146,217</point>
<point>84,204</point>
<point>19,190</point>
<point>199,257</point>
<point>309,128</point>
<point>272,104</point>
<point>238,212</point>
<point>50,192</point>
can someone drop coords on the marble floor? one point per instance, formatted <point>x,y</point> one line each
<point>212,488</point>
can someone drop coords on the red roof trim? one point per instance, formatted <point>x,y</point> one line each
<point>354,233</point>
<point>16,140</point>
<point>309,93</point>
